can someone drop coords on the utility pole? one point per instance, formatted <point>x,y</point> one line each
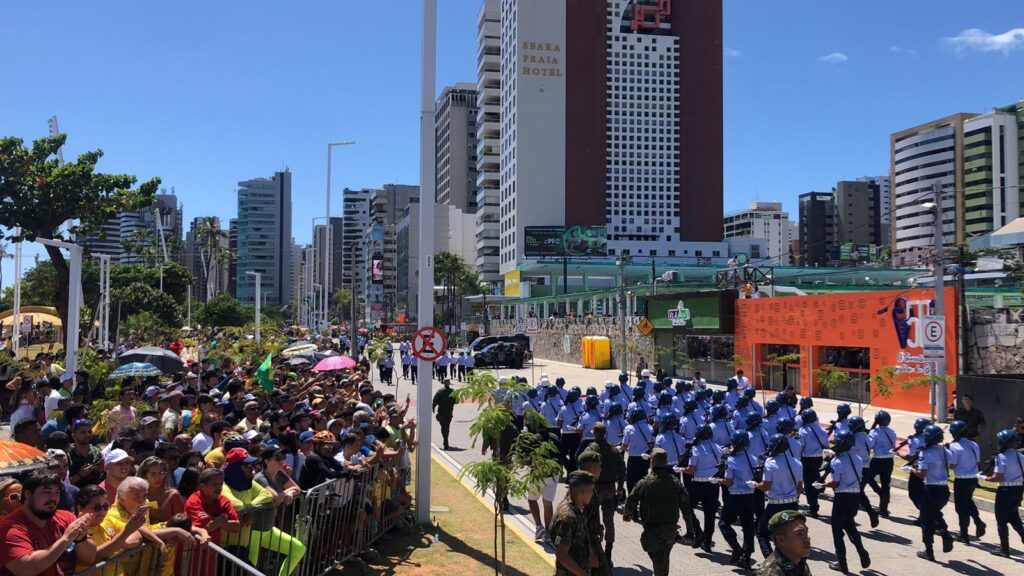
<point>939,371</point>
<point>622,312</point>
<point>257,275</point>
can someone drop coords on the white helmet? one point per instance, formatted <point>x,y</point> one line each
<point>645,373</point>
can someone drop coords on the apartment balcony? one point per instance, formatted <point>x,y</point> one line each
<point>487,147</point>
<point>488,179</point>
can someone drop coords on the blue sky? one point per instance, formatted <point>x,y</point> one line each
<point>204,94</point>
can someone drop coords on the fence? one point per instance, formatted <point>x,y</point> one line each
<point>320,529</point>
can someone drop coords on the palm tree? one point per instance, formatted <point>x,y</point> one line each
<point>4,254</point>
<point>212,251</point>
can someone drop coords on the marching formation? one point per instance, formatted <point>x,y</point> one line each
<point>687,461</point>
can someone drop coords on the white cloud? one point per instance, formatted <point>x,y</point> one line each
<point>975,39</point>
<point>833,58</point>
<point>901,50</point>
<point>731,52</point>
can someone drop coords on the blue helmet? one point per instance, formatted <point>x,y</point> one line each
<point>920,424</point>
<point>623,378</point>
<point>717,397</point>
<point>843,441</point>
<point>531,393</point>
<point>681,387</point>
<point>856,424</point>
<point>777,444</point>
<point>753,420</point>
<point>719,412</point>
<point>883,418</point>
<point>670,421</point>
<point>809,416</point>
<point>658,387</point>
<point>704,394</point>
<point>771,407</point>
<point>614,390</point>
<point>1006,440</point>
<point>572,396</point>
<point>665,398</point>
<point>843,410</point>
<point>550,392</point>
<point>957,429</point>
<point>742,402</point>
<point>641,385</point>
<point>782,398</point>
<point>638,393</point>
<point>577,390</point>
<point>703,433</point>
<point>750,393</point>
<point>739,440</point>
<point>637,414</point>
<point>806,402</point>
<point>932,435</point>
<point>666,382</point>
<point>689,407</point>
<point>591,391</point>
<point>591,403</point>
<point>785,425</point>
<point>731,383</point>
<point>615,409</point>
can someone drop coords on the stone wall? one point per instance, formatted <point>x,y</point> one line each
<point>560,339</point>
<point>996,340</point>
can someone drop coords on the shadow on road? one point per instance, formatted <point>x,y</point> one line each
<point>887,537</point>
<point>972,568</point>
<point>632,571</point>
<point>399,551</point>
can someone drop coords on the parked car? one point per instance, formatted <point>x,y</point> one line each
<point>501,355</point>
<point>482,342</point>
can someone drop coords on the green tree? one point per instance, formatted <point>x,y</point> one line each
<point>341,299</point>
<point>134,298</point>
<point>144,328</point>
<point>222,310</point>
<point>38,287</point>
<point>37,195</point>
<point>213,251</point>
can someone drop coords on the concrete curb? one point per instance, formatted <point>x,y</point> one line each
<point>520,527</point>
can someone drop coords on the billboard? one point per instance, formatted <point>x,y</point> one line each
<point>692,310</point>
<point>376,244</point>
<point>565,241</point>
<point>377,275</point>
<point>851,252</point>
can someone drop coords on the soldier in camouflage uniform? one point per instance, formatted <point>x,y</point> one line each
<point>659,498</point>
<point>569,530</point>
<point>610,483</point>
<point>590,461</point>
<point>792,546</point>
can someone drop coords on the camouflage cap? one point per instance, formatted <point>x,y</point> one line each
<point>784,517</point>
<point>580,478</point>
<point>588,457</point>
<point>659,455</point>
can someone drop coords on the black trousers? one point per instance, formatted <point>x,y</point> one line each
<point>880,480</point>
<point>569,443</point>
<point>763,537</point>
<point>636,469</point>
<point>844,510</point>
<point>705,495</point>
<point>915,489</point>
<point>446,424</point>
<point>405,371</point>
<point>744,507</point>
<point>865,504</point>
<point>462,372</point>
<point>935,498</point>
<point>963,502</point>
<point>812,465</point>
<point>1008,499</point>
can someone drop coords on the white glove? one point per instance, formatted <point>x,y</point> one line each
<point>716,480</point>
<point>908,469</point>
<point>678,470</point>
<point>751,483</point>
<point>828,453</point>
<point>818,486</point>
<point>982,476</point>
<point>645,456</point>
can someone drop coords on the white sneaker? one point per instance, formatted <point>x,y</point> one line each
<point>540,534</point>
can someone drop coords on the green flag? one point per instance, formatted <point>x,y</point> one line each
<point>263,375</point>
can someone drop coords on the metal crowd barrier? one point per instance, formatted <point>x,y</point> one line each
<point>322,528</point>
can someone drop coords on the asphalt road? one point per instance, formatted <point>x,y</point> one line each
<point>893,545</point>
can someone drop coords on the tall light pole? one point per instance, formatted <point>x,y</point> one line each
<point>317,322</point>
<point>258,276</point>
<point>939,367</point>
<point>328,248</point>
<point>425,282</point>
<point>621,262</point>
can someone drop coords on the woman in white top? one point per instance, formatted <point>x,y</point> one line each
<point>26,399</point>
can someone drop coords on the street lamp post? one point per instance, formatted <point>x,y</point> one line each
<point>939,367</point>
<point>329,248</point>
<point>257,275</point>
<point>621,263</point>
<point>666,277</point>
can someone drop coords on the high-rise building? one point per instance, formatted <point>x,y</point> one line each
<point>885,197</point>
<point>488,133</point>
<point>264,239</point>
<point>611,115</point>
<point>335,252</point>
<point>455,134</point>
<point>295,276</point>
<point>453,233</point>
<point>817,228</point>
<point>763,220</point>
<point>381,285</point>
<point>991,172</point>
<point>233,262</point>
<point>858,213</point>
<point>920,157</point>
<point>356,217</point>
<point>134,237</point>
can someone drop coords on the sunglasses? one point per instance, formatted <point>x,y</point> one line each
<point>13,497</point>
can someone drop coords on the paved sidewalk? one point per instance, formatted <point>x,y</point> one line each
<point>893,545</point>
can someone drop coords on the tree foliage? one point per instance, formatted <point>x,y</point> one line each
<point>222,311</point>
<point>37,195</point>
<point>138,297</point>
<point>144,328</point>
<point>38,287</point>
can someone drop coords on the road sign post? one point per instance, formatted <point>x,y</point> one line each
<point>429,344</point>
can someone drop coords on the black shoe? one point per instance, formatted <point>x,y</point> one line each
<point>1003,552</point>
<point>874,520</point>
<point>734,558</point>
<point>814,513</point>
<point>927,555</point>
<point>947,543</point>
<point>865,558</point>
<point>979,529</point>
<point>839,566</point>
<point>746,563</point>
<point>883,513</point>
<point>706,546</point>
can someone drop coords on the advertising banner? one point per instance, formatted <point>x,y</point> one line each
<point>561,241</point>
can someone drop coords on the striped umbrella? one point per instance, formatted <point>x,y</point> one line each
<point>135,370</point>
<point>16,458</point>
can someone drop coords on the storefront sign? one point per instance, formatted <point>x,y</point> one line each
<point>679,315</point>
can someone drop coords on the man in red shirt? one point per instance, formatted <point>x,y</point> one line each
<point>35,538</point>
<point>209,509</point>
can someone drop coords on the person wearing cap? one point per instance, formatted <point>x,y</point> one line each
<point>569,528</point>
<point>444,405</point>
<point>610,485</point>
<point>320,465</point>
<point>792,542</point>
<point>215,457</point>
<point>590,462</point>
<point>170,418</point>
<point>118,465</point>
<point>657,501</point>
<point>149,428</point>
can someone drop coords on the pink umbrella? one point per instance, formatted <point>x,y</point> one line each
<point>334,363</point>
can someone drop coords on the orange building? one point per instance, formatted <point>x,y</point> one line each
<point>858,333</point>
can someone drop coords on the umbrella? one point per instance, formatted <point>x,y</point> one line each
<point>298,350</point>
<point>298,361</point>
<point>334,363</point>
<point>134,369</point>
<point>16,458</point>
<point>166,361</point>
<point>318,355</point>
